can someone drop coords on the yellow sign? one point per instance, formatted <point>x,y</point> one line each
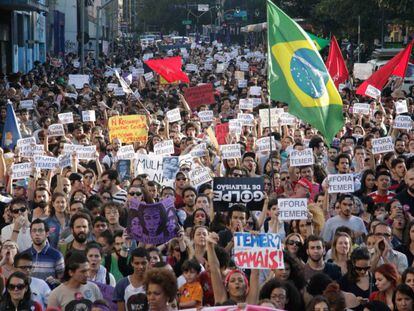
<point>128,129</point>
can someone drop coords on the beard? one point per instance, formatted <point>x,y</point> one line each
<point>80,238</point>
<point>41,204</point>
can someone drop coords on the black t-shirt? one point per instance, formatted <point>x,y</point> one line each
<point>406,199</point>
<point>225,236</point>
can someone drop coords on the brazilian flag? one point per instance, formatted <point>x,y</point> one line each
<point>319,42</point>
<point>297,75</point>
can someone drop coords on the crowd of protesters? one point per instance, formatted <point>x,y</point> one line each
<point>64,243</point>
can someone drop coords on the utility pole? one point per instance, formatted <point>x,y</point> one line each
<point>82,37</point>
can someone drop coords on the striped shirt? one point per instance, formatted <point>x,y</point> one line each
<point>119,197</point>
<point>48,262</point>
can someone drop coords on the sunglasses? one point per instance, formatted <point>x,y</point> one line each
<point>137,193</point>
<point>109,150</point>
<point>284,178</point>
<point>297,243</point>
<point>362,268</point>
<point>19,210</point>
<point>237,175</point>
<point>14,287</point>
<point>182,178</point>
<point>25,267</point>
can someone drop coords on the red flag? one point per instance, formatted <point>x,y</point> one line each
<point>336,64</point>
<point>396,66</point>
<point>169,68</point>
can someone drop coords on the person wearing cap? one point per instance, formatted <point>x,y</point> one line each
<point>303,189</point>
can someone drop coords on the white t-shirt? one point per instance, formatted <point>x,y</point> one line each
<point>24,240</point>
<point>63,295</point>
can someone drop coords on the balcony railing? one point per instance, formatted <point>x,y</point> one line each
<point>25,5</point>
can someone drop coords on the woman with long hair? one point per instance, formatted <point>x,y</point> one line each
<point>283,294</point>
<point>386,279</point>
<point>294,246</point>
<point>341,250</point>
<point>403,298</point>
<point>58,220</point>
<point>199,238</point>
<point>408,277</point>
<point>367,183</point>
<point>18,294</point>
<point>318,303</point>
<point>407,247</point>
<point>359,280</point>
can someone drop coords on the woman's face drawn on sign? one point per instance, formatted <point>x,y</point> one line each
<point>152,219</point>
<point>136,226</point>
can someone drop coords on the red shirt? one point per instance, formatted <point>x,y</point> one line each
<point>381,198</point>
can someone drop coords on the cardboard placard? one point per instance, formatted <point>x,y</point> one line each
<point>235,126</point>
<point>230,151</point>
<point>126,152</point>
<point>361,108</point>
<point>255,90</point>
<point>382,145</point>
<point>246,104</point>
<point>45,162</point>
<point>258,251</point>
<point>165,147</point>
<point>263,144</point>
<point>301,157</point>
<point>403,122</point>
<point>66,117</point>
<point>286,118</point>
<point>247,119</point>
<point>78,80</point>
<point>199,95</point>
<point>292,209</point>
<point>206,116</point>
<point>341,183</point>
<point>199,175</point>
<point>56,130</point>
<point>274,117</point>
<point>401,106</point>
<point>174,115</point>
<point>88,116</point>
<point>21,170</point>
<point>129,129</point>
<point>245,190</point>
<point>26,104</point>
<point>82,152</point>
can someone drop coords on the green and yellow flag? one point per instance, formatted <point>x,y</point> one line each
<point>320,43</point>
<point>297,75</point>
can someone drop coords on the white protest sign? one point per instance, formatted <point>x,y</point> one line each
<point>199,175</point>
<point>247,119</point>
<point>82,152</point>
<point>149,76</point>
<point>78,80</point>
<point>28,148</point>
<point>164,147</point>
<point>372,91</point>
<point>112,86</point>
<point>230,151</point>
<point>341,86</point>
<point>206,116</point>
<point>341,183</point>
<point>45,162</point>
<point>208,66</point>
<point>263,144</point>
<point>71,95</point>
<point>256,101</point>
<point>258,251</point>
<point>26,104</point>
<point>151,165</point>
<point>147,56</point>
<point>235,126</point>
<point>239,75</point>
<point>274,117</point>
<point>401,106</point>
<point>362,71</point>
<point>174,115</point>
<point>66,117</point>
<point>88,116</point>
<point>220,67</point>
<point>301,157</point>
<point>244,66</point>
<point>136,72</point>
<point>287,119</point>
<point>246,103</point>
<point>65,160</point>
<point>21,170</point>
<point>119,91</point>
<point>361,108</point>
<point>255,90</point>
<point>191,68</point>
<point>382,145</point>
<point>56,130</point>
<point>403,122</point>
<point>126,152</point>
<point>199,150</point>
<point>291,209</point>
<point>241,84</point>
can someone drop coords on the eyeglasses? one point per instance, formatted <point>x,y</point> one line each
<point>137,193</point>
<point>297,243</point>
<point>25,267</point>
<point>17,286</point>
<point>362,268</point>
<point>19,210</point>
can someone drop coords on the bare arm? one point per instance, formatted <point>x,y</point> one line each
<point>220,293</point>
<point>253,295</point>
<point>264,211</point>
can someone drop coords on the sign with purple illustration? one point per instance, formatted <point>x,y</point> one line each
<point>152,223</point>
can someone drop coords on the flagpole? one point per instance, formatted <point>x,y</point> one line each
<point>269,103</point>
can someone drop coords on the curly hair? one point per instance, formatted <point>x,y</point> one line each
<point>294,298</point>
<point>163,277</point>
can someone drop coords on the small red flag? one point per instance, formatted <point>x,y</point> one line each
<point>335,63</point>
<point>169,68</point>
<point>396,66</point>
